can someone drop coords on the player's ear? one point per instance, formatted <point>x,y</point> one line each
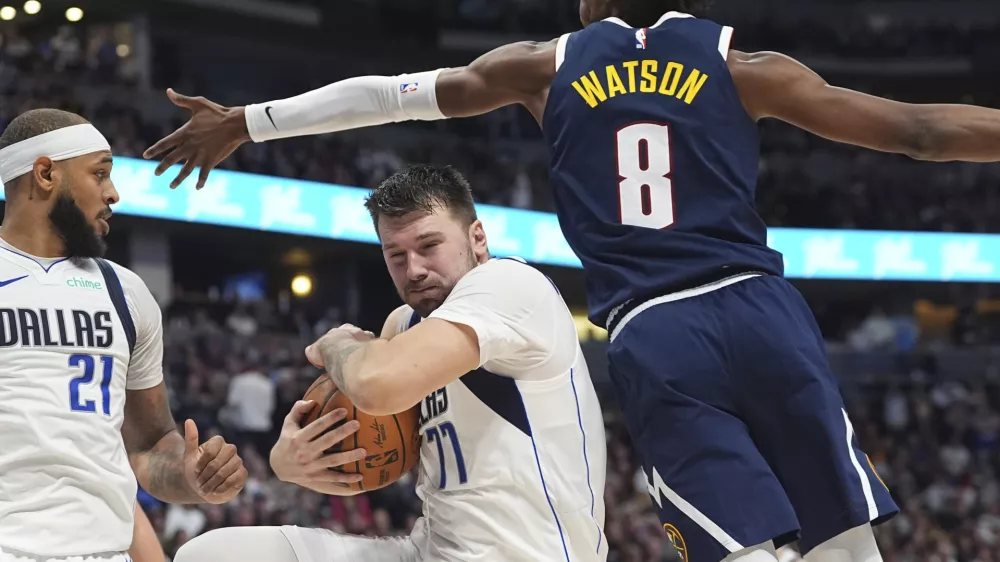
<point>43,173</point>
<point>477,238</point>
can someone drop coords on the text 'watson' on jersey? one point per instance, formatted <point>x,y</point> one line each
<point>654,160</point>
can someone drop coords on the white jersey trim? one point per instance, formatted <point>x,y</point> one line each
<point>586,459</point>
<point>724,41</point>
<point>670,16</point>
<point>688,293</point>
<point>866,485</point>
<point>663,18</point>
<point>657,486</point>
<point>561,50</point>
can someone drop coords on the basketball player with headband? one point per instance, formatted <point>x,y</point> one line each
<point>83,405</point>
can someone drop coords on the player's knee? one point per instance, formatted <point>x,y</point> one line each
<point>855,545</point>
<point>249,544</point>
<point>203,548</point>
<point>763,552</point>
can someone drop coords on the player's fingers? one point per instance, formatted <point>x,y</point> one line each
<point>335,436</point>
<point>234,482</point>
<point>187,102</point>
<point>316,428</point>
<point>162,145</point>
<point>226,454</point>
<point>209,450</point>
<point>314,356</point>
<point>336,476</point>
<point>230,488</point>
<point>190,437</point>
<point>169,160</point>
<point>295,415</point>
<point>184,173</point>
<point>225,470</point>
<point>203,175</point>
<point>327,462</point>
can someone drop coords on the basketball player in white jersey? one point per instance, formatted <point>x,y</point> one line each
<point>513,459</point>
<point>83,407</point>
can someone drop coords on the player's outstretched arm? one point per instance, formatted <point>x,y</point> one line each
<point>516,73</point>
<point>774,85</point>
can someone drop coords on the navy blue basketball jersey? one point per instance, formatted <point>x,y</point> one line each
<point>654,160</point>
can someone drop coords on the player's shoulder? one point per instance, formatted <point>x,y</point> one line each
<point>508,279</point>
<point>137,293</point>
<point>398,321</point>
<point>509,273</point>
<point>129,279</point>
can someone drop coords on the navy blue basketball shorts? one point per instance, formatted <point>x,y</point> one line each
<point>739,422</point>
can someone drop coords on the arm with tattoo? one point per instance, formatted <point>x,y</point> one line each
<point>155,447</point>
<point>383,376</point>
<point>172,468</point>
<point>344,371</point>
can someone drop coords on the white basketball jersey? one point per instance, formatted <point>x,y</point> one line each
<point>73,338</point>
<point>513,458</point>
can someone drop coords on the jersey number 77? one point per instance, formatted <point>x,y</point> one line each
<point>645,188</point>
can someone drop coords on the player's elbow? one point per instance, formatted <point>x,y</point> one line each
<point>372,394</point>
<point>923,138</point>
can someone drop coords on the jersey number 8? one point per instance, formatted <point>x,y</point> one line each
<point>645,189</point>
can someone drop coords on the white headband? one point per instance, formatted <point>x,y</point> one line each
<point>61,144</point>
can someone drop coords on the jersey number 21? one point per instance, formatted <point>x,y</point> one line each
<point>88,364</point>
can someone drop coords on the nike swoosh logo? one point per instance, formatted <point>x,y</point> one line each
<point>267,110</point>
<point>9,281</point>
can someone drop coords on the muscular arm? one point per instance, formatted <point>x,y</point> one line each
<point>516,73</point>
<point>774,85</point>
<point>390,376</point>
<point>155,447</point>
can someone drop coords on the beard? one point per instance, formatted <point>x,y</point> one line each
<point>78,235</point>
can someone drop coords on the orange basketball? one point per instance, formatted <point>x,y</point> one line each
<point>392,442</point>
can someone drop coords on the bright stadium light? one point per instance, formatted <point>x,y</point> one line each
<point>7,13</point>
<point>302,285</point>
<point>74,14</point>
<point>32,7</point>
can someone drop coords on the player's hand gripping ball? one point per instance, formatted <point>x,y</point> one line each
<point>391,443</point>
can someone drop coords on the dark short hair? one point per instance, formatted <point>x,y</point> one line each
<point>644,13</point>
<point>422,188</point>
<point>38,122</point>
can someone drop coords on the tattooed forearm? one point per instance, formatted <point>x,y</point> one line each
<point>335,359</point>
<point>161,471</point>
<point>155,448</point>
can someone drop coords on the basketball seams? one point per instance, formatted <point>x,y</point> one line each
<point>357,465</point>
<point>402,444</point>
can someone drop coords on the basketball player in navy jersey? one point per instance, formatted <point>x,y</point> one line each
<point>718,362</point>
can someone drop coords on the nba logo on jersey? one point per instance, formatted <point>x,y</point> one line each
<point>407,88</point>
<point>640,38</point>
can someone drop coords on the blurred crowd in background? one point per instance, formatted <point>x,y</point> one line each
<point>934,443</point>
<point>804,181</point>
